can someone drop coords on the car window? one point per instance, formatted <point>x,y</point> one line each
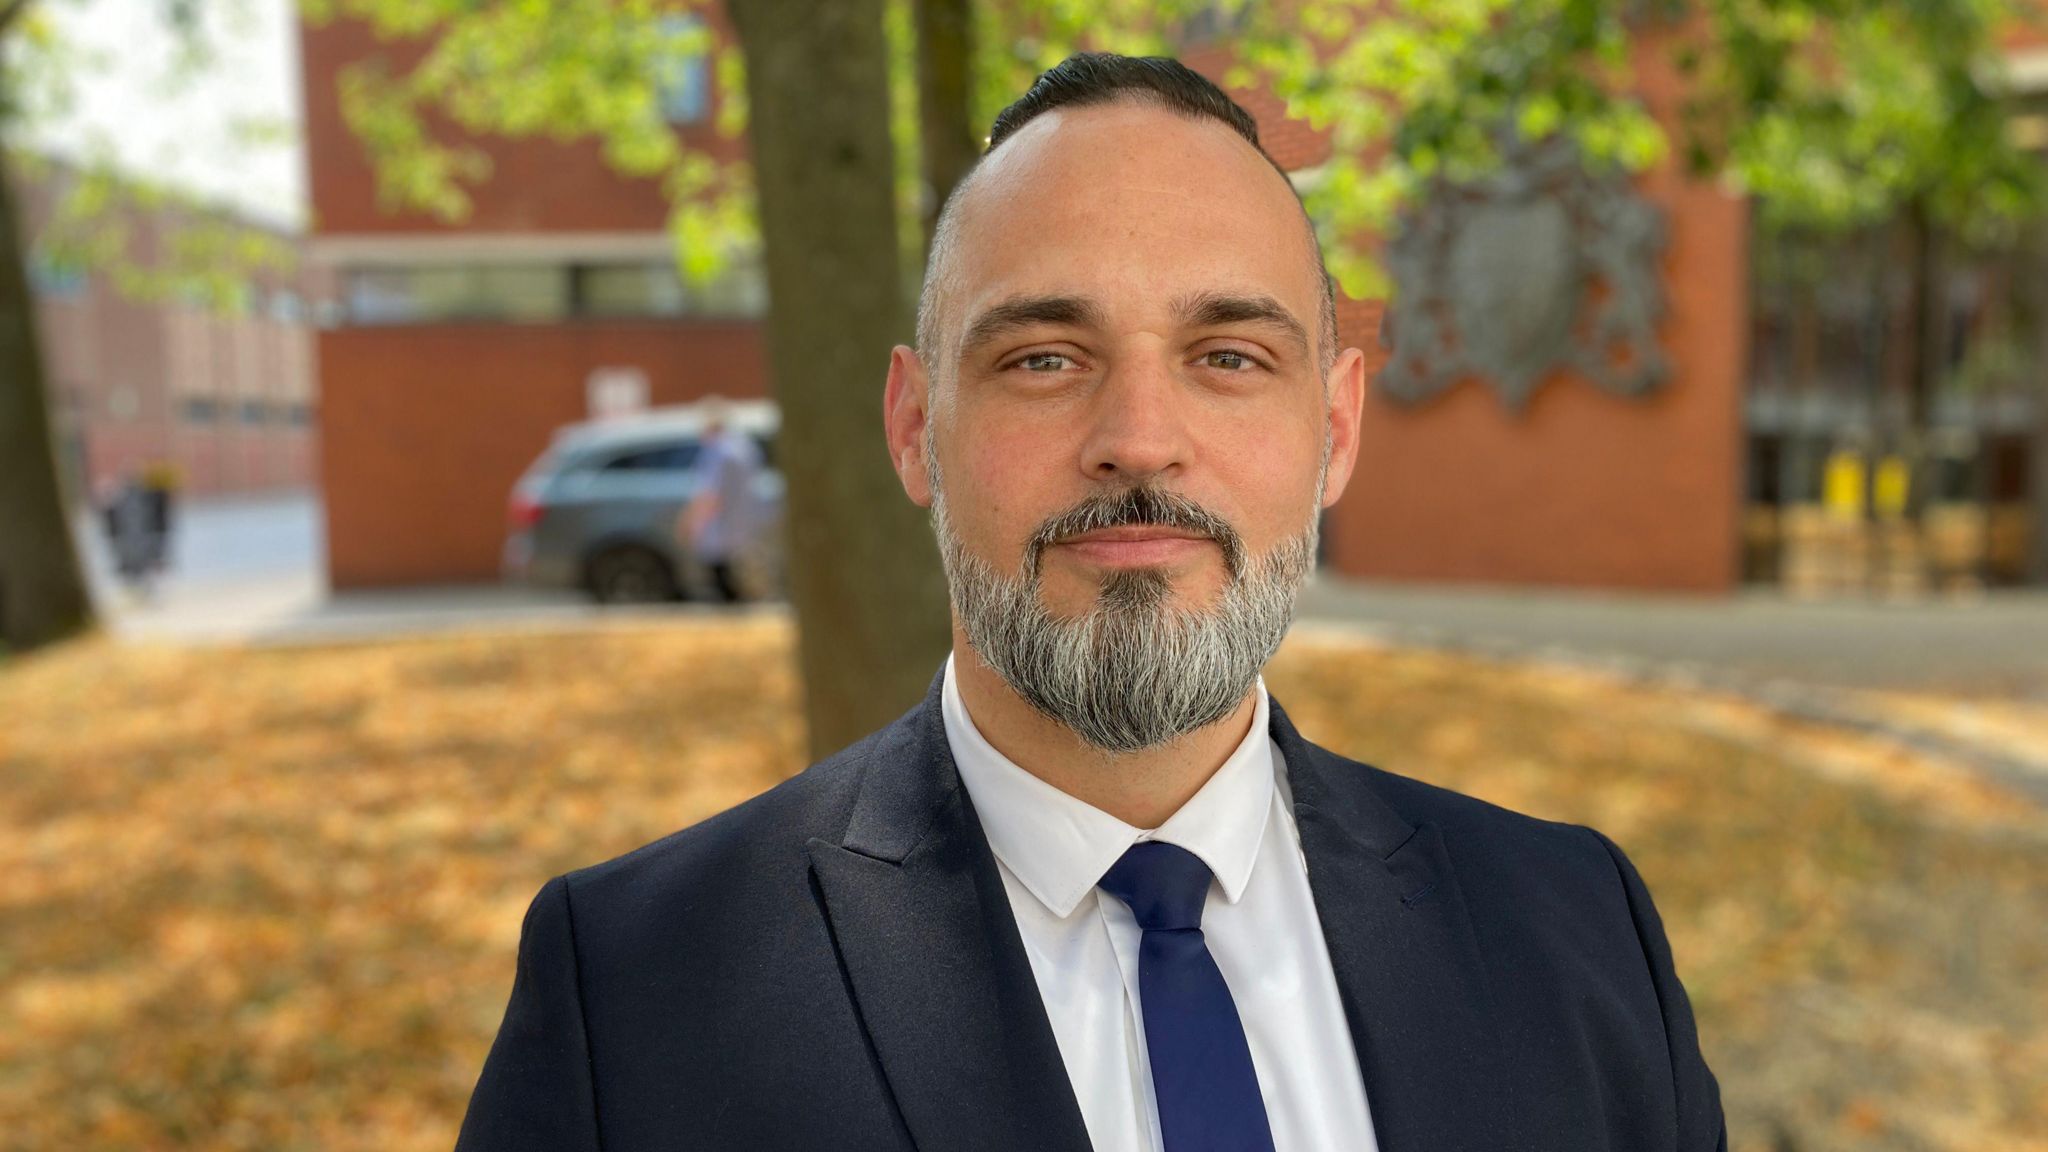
<point>766,443</point>
<point>679,457</point>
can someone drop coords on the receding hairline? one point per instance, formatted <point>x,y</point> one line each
<point>940,260</point>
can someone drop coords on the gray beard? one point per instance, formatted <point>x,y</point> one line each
<point>1134,671</point>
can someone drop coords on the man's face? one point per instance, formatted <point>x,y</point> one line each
<point>1132,303</point>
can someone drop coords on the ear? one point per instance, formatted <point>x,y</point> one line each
<point>905,408</point>
<point>1345,393</point>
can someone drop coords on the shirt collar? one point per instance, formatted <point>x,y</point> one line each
<point>1058,847</point>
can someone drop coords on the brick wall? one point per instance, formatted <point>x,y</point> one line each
<point>1583,488</point>
<point>426,428</point>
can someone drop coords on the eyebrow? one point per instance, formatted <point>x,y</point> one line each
<point>1211,309</point>
<point>1030,311</point>
<point>1196,310</point>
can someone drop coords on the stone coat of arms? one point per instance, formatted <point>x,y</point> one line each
<point>1539,266</point>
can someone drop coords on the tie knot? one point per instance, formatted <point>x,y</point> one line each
<point>1164,884</point>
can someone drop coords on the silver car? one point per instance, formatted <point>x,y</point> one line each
<point>598,510</point>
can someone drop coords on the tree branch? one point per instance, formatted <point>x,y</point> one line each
<point>10,12</point>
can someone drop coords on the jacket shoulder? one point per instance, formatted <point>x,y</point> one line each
<point>1561,907</point>
<point>1493,839</point>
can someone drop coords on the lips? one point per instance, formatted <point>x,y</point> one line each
<point>1132,533</point>
<point>1135,547</point>
<point>1137,527</point>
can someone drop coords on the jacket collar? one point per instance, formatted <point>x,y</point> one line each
<point>936,965</point>
<point>1409,969</point>
<point>933,957</point>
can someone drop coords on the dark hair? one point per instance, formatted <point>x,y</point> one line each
<point>1087,78</point>
<point>1094,78</point>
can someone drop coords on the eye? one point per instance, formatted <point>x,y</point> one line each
<point>1044,362</point>
<point>1228,359</point>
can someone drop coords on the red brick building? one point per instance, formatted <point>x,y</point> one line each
<point>224,396</point>
<point>464,346</point>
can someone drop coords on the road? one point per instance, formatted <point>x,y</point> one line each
<point>252,569</point>
<point>233,561</point>
<point>225,541</point>
<point>1995,643</point>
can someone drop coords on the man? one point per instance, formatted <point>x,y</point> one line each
<point>723,515</point>
<point>1096,891</point>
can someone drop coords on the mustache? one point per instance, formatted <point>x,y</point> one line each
<point>1139,506</point>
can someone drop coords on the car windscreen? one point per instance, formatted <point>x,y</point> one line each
<point>668,456</point>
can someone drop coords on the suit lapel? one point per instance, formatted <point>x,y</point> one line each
<point>934,960</point>
<point>1408,968</point>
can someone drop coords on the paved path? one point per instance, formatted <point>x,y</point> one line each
<point>1964,681</point>
<point>218,544</point>
<point>251,570</point>
<point>300,612</point>
<point>1994,644</point>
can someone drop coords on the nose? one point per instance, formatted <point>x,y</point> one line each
<point>1138,428</point>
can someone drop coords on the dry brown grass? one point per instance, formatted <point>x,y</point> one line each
<point>267,899</point>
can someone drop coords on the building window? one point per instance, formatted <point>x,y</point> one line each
<point>299,415</point>
<point>202,294</point>
<point>657,289</point>
<point>252,411</point>
<point>682,75</point>
<point>741,290</point>
<point>287,307</point>
<point>615,290</point>
<point>504,292</point>
<point>201,409</point>
<point>54,279</point>
<point>429,294</point>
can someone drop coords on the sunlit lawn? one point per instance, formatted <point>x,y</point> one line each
<point>268,899</point>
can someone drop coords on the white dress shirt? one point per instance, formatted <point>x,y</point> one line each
<point>1260,923</point>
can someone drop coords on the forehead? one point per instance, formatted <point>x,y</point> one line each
<point>1134,205</point>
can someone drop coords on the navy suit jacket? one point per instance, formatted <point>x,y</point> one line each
<point>834,965</point>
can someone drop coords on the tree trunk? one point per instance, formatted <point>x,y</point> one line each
<point>864,574</point>
<point>945,99</point>
<point>42,588</point>
<point>1924,370</point>
<point>2036,490</point>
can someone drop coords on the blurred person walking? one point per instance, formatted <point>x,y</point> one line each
<point>137,514</point>
<point>160,497</point>
<point>721,525</point>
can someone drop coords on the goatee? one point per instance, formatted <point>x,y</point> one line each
<point>1135,670</point>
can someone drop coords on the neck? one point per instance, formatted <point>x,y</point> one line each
<point>1141,789</point>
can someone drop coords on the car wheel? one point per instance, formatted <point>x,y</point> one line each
<point>631,576</point>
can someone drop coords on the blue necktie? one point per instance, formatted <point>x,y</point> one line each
<point>1201,1066</point>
